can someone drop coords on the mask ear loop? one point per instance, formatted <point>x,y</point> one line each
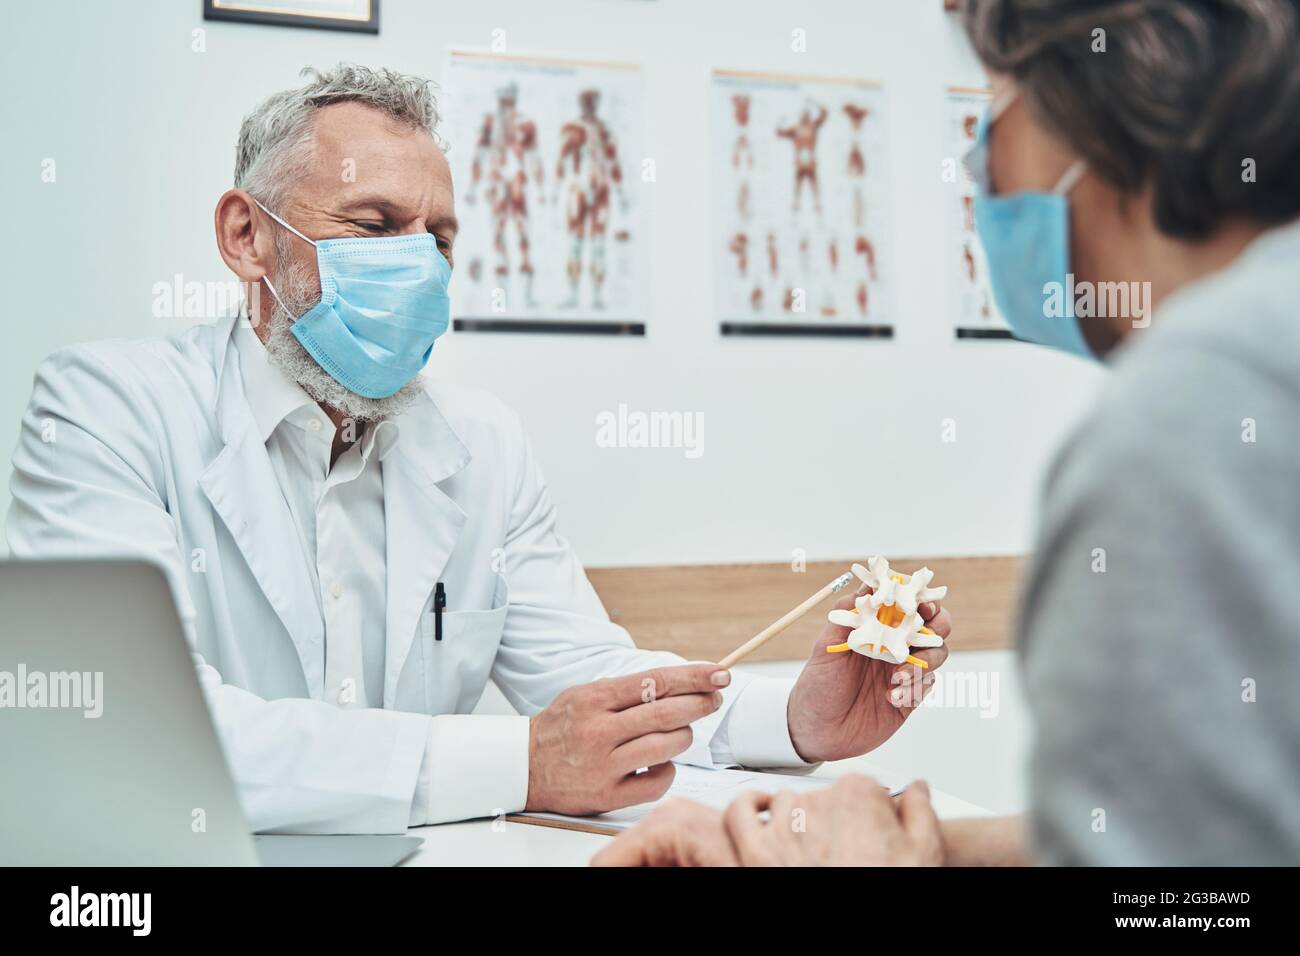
<point>276,296</point>
<point>310,242</point>
<point>278,300</point>
<point>999,105</point>
<point>977,157</point>
<point>1065,185</point>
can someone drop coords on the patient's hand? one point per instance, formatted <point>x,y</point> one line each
<point>584,749</point>
<point>852,823</point>
<point>679,833</point>
<point>846,704</point>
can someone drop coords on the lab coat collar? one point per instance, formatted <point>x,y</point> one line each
<point>379,439</point>
<point>240,484</point>
<point>272,395</point>
<point>435,450</point>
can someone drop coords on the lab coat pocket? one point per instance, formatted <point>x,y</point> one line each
<point>456,668</point>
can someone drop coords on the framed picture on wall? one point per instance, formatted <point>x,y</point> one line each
<point>801,206</point>
<point>546,156</point>
<point>359,15</point>
<point>966,269</point>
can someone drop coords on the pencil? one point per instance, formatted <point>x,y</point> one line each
<point>777,626</point>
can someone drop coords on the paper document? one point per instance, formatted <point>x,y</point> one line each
<point>713,788</point>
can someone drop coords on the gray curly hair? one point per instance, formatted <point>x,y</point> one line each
<point>275,140</point>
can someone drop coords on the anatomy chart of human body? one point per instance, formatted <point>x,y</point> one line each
<point>971,296</point>
<point>801,205</point>
<point>541,152</point>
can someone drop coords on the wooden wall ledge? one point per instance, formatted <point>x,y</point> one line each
<point>703,611</point>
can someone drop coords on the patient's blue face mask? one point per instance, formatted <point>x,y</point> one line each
<point>383,304</point>
<point>1026,239</point>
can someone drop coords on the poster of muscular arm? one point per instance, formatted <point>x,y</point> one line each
<point>801,206</point>
<point>550,227</point>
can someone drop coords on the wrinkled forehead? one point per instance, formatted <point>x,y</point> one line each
<point>358,149</point>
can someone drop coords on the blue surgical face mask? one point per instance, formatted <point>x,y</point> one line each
<point>1026,239</point>
<point>383,304</point>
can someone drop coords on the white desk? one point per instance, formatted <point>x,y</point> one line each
<point>484,843</point>
<point>960,746</point>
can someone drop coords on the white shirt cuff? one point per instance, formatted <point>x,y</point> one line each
<point>475,765</point>
<point>756,731</point>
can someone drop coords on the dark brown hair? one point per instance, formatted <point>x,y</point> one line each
<point>1185,93</point>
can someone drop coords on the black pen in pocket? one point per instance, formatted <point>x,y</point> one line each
<point>439,602</point>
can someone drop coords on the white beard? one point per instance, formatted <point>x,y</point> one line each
<point>299,293</point>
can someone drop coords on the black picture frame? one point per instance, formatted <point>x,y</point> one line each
<point>549,326</point>
<point>247,11</point>
<point>805,330</point>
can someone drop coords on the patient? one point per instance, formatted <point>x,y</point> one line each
<point>1159,629</point>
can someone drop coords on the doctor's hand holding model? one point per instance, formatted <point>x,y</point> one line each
<point>357,550</point>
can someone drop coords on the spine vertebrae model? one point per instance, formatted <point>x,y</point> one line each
<point>887,623</point>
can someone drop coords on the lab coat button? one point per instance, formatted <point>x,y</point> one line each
<point>313,424</point>
<point>336,589</point>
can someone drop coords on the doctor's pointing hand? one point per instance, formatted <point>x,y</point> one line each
<point>585,748</point>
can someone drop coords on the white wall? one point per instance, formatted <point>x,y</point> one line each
<point>142,130</point>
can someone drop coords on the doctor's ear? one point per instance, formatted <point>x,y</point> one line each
<point>244,238</point>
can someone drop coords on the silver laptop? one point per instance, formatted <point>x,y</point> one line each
<point>110,756</point>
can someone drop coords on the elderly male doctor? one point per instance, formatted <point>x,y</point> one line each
<point>310,495</point>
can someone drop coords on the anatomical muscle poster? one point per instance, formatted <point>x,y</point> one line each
<point>801,206</point>
<point>545,156</point>
<point>967,271</point>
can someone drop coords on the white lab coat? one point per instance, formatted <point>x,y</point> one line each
<point>148,448</point>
